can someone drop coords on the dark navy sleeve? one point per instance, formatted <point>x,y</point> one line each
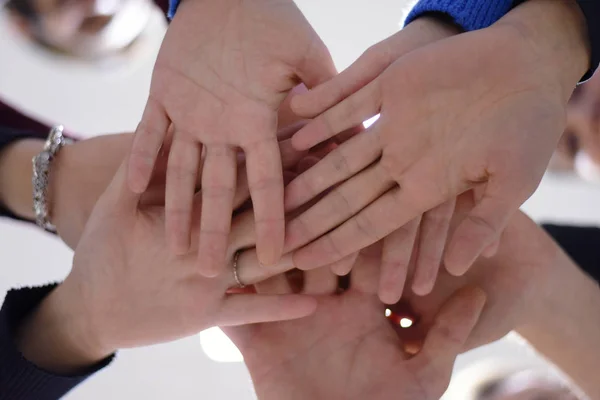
<point>582,244</point>
<point>19,378</point>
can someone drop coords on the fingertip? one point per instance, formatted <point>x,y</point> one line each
<point>389,297</point>
<point>300,142</point>
<point>491,250</point>
<point>422,288</point>
<point>291,197</point>
<point>137,176</point>
<point>298,104</point>
<point>178,245</point>
<point>209,265</point>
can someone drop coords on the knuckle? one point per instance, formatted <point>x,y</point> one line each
<point>365,226</point>
<point>339,163</point>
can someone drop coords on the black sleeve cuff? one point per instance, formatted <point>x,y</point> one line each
<point>19,378</point>
<point>591,10</point>
<point>581,244</point>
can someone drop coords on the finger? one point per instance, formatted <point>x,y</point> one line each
<point>368,66</point>
<point>451,329</point>
<point>250,271</point>
<point>372,224</point>
<point>218,191</point>
<point>182,173</point>
<point>482,226</point>
<point>241,309</point>
<point>432,241</point>
<point>492,249</point>
<point>366,271</point>
<point>275,285</point>
<point>266,188</point>
<point>320,281</point>
<point>397,250</point>
<point>340,164</point>
<point>351,112</point>
<point>118,196</point>
<point>289,158</point>
<point>339,205</point>
<point>343,266</point>
<point>149,136</point>
<point>289,155</point>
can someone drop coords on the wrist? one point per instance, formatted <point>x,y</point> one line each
<point>553,33</point>
<point>15,176</point>
<point>58,337</point>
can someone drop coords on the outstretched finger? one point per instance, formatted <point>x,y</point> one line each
<point>265,178</point>
<point>218,191</point>
<point>432,241</point>
<point>480,229</point>
<point>351,112</point>
<point>149,137</point>
<point>397,251</point>
<point>182,173</point>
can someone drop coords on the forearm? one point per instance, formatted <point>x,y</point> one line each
<point>567,329</point>
<point>15,176</point>
<point>557,36</point>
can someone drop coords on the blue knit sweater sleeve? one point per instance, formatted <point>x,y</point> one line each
<point>173,4</point>
<point>468,14</point>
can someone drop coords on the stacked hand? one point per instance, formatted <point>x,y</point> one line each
<point>481,110</point>
<point>224,70</point>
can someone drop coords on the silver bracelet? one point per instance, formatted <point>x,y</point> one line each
<point>41,173</point>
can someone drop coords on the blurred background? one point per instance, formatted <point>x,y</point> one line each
<point>87,64</point>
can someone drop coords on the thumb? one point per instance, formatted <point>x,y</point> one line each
<point>478,231</point>
<point>450,330</point>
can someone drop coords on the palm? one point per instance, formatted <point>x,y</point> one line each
<point>346,350</point>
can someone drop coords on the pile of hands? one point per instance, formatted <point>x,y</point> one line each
<point>235,162</point>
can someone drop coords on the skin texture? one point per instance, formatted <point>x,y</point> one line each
<point>349,350</point>
<point>489,120</point>
<point>224,69</point>
<point>121,260</point>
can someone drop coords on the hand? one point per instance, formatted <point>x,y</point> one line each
<point>224,69</point>
<point>488,120</point>
<point>518,280</point>
<point>434,224</point>
<point>82,171</point>
<point>121,260</point>
<point>347,349</point>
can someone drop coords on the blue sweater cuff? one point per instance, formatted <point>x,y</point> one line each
<point>468,14</point>
<point>173,4</point>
